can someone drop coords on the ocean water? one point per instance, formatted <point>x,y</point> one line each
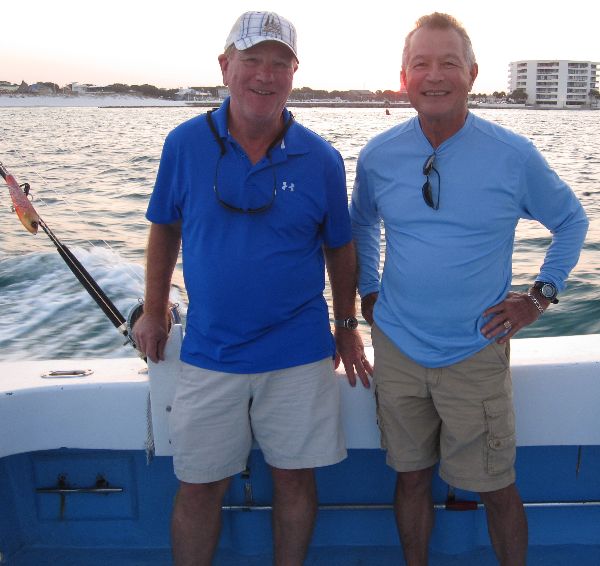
<point>91,171</point>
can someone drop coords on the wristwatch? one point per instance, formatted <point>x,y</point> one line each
<point>547,290</point>
<point>351,323</point>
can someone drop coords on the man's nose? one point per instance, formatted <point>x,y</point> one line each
<point>436,72</point>
<point>265,72</point>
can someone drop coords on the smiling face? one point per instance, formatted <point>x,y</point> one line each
<point>438,78</point>
<point>260,81</point>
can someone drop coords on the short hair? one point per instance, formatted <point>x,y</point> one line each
<point>438,20</point>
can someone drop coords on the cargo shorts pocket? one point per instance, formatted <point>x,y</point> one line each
<point>500,448</point>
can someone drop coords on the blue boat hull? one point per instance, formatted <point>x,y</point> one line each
<point>76,488</point>
<point>559,485</point>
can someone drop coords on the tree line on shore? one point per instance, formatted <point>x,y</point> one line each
<point>298,94</point>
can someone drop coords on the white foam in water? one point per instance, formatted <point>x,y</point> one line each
<point>48,314</point>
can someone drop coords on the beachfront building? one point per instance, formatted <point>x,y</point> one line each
<point>6,87</point>
<point>77,88</point>
<point>555,83</point>
<point>192,94</point>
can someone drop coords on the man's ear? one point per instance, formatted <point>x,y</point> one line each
<point>474,72</point>
<point>223,63</point>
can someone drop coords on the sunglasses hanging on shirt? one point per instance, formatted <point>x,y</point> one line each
<point>428,190</point>
<point>222,147</point>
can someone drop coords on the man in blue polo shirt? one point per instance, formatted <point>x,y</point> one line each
<point>259,206</point>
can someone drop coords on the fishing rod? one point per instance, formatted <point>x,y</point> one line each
<point>31,220</point>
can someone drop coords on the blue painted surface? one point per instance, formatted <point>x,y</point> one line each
<point>558,555</point>
<point>132,527</point>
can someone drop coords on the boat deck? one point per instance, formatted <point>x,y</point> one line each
<point>560,487</point>
<point>560,555</point>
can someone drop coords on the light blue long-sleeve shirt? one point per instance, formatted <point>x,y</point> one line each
<point>443,268</point>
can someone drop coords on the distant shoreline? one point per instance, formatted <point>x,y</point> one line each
<point>82,101</point>
<point>130,101</point>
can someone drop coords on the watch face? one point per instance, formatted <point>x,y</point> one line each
<point>351,323</point>
<point>548,290</point>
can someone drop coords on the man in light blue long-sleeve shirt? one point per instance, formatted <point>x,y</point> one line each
<point>450,189</point>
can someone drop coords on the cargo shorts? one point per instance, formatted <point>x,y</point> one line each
<point>460,415</point>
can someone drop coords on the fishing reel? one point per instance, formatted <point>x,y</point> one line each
<point>138,310</point>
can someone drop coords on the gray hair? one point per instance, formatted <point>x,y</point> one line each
<point>438,20</point>
<point>229,51</point>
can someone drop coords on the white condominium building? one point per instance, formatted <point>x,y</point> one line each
<point>560,84</point>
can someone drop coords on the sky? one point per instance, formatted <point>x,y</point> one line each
<point>342,45</point>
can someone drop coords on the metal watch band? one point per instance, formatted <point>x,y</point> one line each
<point>537,304</point>
<point>349,322</point>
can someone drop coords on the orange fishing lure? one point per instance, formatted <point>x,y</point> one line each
<point>23,207</point>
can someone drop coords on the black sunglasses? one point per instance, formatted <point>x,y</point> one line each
<point>223,149</point>
<point>427,189</point>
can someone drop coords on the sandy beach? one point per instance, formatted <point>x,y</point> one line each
<point>32,100</point>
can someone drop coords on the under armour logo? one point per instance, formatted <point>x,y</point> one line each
<point>286,187</point>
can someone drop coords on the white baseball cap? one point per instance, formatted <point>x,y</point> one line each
<point>252,28</point>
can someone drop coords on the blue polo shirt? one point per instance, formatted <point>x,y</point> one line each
<point>254,281</point>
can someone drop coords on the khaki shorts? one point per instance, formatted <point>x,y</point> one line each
<point>294,415</point>
<point>461,415</point>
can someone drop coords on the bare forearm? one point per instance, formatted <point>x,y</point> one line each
<point>341,267</point>
<point>161,256</point>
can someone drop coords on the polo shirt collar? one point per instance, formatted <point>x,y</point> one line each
<point>292,143</point>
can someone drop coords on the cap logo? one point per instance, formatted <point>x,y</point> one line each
<point>271,27</point>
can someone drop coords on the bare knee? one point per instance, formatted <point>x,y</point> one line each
<point>298,482</point>
<point>416,482</point>
<point>500,499</point>
<point>202,494</point>
<point>505,502</point>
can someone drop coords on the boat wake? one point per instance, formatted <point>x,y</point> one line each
<point>47,314</point>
